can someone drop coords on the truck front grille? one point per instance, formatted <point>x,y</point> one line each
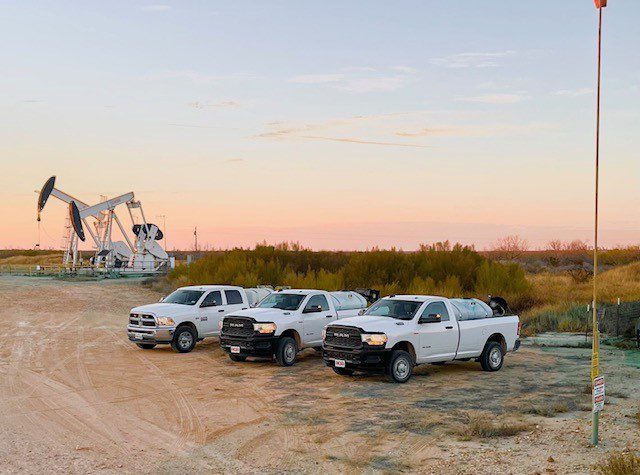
<point>142,320</point>
<point>237,327</point>
<point>343,337</point>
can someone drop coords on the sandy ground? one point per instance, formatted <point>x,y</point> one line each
<point>76,396</point>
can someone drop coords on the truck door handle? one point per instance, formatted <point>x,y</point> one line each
<point>222,310</point>
<point>329,316</point>
<point>449,328</point>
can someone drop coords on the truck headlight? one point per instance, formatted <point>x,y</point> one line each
<point>374,339</point>
<point>265,328</point>
<point>324,333</point>
<point>220,324</point>
<point>165,321</point>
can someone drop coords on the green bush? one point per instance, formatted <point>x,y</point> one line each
<point>440,269</point>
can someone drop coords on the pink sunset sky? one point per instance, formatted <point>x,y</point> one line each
<point>341,126</point>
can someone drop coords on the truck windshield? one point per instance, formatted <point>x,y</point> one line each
<point>184,297</point>
<point>282,301</point>
<point>400,309</point>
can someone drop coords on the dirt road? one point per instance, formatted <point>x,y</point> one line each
<point>76,396</point>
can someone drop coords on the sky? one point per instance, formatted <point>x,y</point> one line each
<point>340,125</point>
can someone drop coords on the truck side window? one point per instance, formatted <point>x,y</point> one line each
<point>233,297</point>
<point>438,308</point>
<point>318,300</point>
<point>212,299</point>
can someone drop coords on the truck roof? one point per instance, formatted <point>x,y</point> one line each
<point>298,291</point>
<point>418,298</point>
<point>211,287</point>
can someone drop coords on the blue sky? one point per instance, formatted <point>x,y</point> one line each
<point>388,123</point>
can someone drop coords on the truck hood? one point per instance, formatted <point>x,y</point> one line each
<point>376,324</point>
<point>266,314</point>
<point>165,309</point>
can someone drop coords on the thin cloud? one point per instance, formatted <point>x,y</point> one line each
<point>497,98</point>
<point>215,105</point>
<point>195,126</point>
<point>195,77</point>
<point>472,60</point>
<point>155,8</point>
<point>316,78</point>
<point>484,130</point>
<point>574,92</point>
<point>234,160</point>
<point>373,84</point>
<point>360,80</point>
<point>368,142</point>
<point>427,131</point>
<point>391,129</point>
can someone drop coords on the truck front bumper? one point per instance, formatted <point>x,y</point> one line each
<point>250,346</point>
<point>157,336</point>
<point>366,359</point>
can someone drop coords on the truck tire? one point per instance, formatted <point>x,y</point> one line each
<point>492,356</point>
<point>237,357</point>
<point>184,339</point>
<point>399,367</point>
<point>146,346</point>
<point>343,371</point>
<point>287,351</point>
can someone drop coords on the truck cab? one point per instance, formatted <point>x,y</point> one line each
<point>286,322</point>
<point>188,315</point>
<point>401,331</point>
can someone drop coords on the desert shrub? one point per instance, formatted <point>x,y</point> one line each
<point>441,268</point>
<point>482,426</point>
<point>547,409</point>
<point>620,463</point>
<point>570,317</point>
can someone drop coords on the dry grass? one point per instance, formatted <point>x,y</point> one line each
<point>622,281</point>
<point>52,258</point>
<point>620,463</point>
<point>547,409</point>
<point>484,426</point>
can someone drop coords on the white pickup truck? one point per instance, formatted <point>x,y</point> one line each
<point>188,315</point>
<point>285,322</point>
<point>401,331</point>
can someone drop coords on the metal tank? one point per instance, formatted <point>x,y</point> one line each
<point>345,300</point>
<point>471,309</point>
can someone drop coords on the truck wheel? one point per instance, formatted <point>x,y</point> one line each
<point>184,339</point>
<point>343,371</point>
<point>146,346</point>
<point>399,367</point>
<point>492,356</point>
<point>237,357</point>
<point>286,351</point>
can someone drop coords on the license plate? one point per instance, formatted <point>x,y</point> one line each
<point>235,349</point>
<point>340,363</point>
<point>138,336</point>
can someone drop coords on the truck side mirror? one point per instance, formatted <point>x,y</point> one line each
<point>313,309</point>
<point>212,303</point>
<point>431,318</point>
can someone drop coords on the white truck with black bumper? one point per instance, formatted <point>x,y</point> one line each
<point>286,322</point>
<point>402,331</point>
<point>188,315</point>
